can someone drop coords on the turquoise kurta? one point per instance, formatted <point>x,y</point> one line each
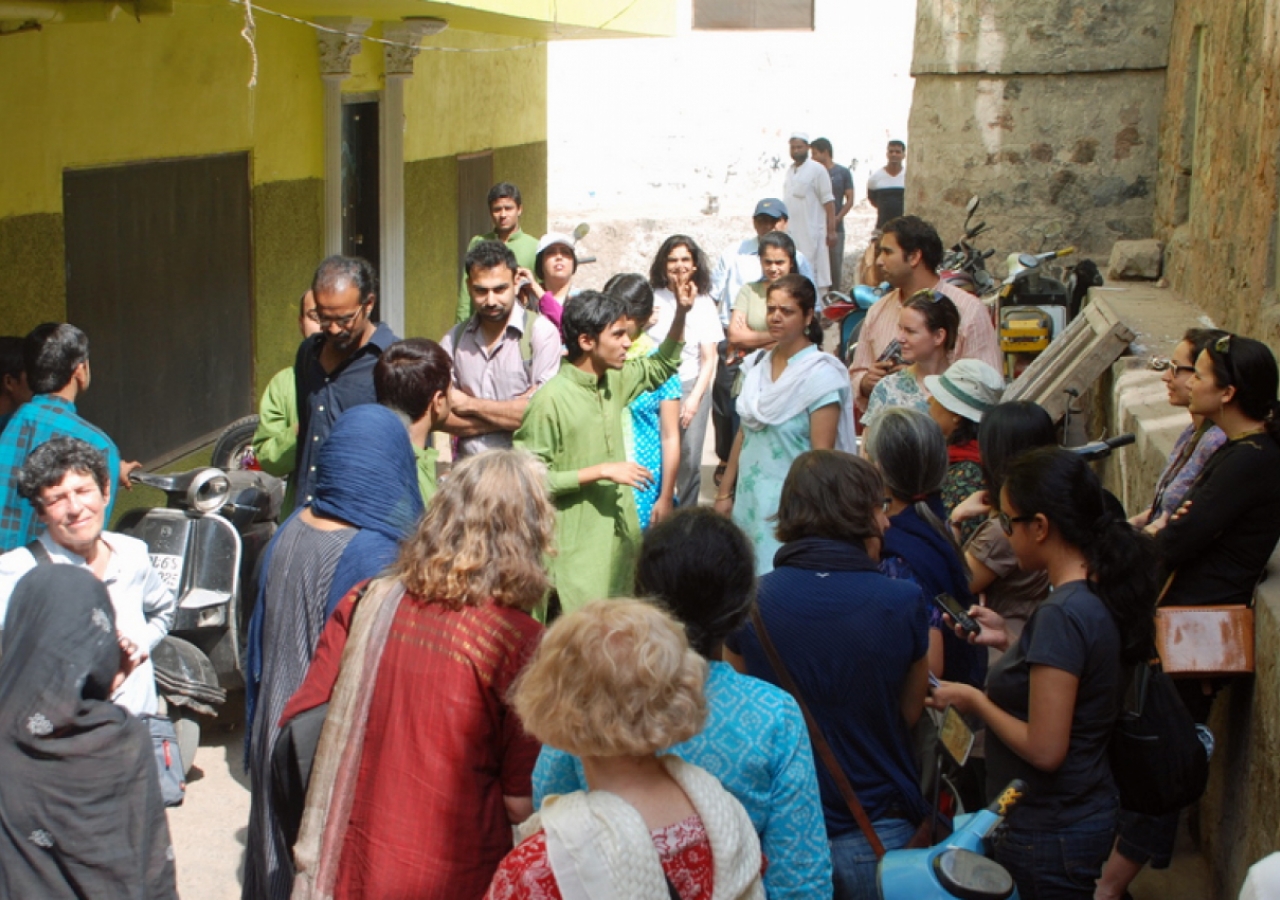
<point>575,421</point>
<point>763,463</point>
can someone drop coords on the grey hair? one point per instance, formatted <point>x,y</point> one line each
<point>911,452</point>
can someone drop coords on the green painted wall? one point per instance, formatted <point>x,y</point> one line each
<point>430,242</point>
<point>526,166</point>
<point>288,243</point>
<point>34,288</point>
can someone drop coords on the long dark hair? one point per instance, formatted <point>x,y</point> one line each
<point>1061,486</point>
<point>701,271</point>
<point>1250,367</point>
<point>1007,432</point>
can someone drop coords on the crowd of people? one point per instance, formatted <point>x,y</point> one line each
<point>558,667</point>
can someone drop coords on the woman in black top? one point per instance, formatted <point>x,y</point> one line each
<point>1217,544</point>
<point>1052,699</point>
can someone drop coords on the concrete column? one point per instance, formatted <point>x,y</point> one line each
<point>336,50</point>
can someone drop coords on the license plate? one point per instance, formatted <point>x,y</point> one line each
<point>169,565</point>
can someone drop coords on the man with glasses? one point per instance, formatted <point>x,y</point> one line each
<point>910,253</point>
<point>334,368</point>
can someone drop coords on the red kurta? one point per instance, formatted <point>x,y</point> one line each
<point>441,750</point>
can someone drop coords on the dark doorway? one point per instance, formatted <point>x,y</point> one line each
<point>159,276</point>
<point>475,177</point>
<point>361,214</point>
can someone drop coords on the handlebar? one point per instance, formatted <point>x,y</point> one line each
<point>1008,798</point>
<point>1096,450</point>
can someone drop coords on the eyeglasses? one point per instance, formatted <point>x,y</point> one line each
<point>1164,364</point>
<point>930,294</point>
<point>1007,521</point>
<point>342,322</point>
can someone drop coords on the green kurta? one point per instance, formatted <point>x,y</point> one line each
<point>275,442</point>
<point>524,246</point>
<point>575,421</point>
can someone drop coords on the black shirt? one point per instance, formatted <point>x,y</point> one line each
<point>1072,631</point>
<point>1221,546</point>
<point>323,396</point>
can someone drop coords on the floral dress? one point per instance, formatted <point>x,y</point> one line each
<point>642,433</point>
<point>899,389</point>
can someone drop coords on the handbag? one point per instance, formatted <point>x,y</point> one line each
<point>924,834</point>
<point>1204,641</point>
<point>164,742</point>
<point>1158,760</point>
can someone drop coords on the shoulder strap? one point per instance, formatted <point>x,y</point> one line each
<point>815,735</point>
<point>36,549</point>
<point>526,336</point>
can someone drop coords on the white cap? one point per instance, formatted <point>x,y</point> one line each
<point>800,136</point>
<point>968,388</point>
<point>554,237</point>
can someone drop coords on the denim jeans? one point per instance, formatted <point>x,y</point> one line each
<point>853,863</point>
<point>1063,864</point>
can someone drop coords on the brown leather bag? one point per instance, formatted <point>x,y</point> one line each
<point>1204,641</point>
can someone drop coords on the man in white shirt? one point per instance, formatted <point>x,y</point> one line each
<point>65,479</point>
<point>807,193</point>
<point>740,263</point>
<point>887,187</point>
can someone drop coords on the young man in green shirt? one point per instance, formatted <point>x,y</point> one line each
<point>574,425</point>
<point>505,208</point>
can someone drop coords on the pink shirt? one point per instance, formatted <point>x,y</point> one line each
<point>977,338</point>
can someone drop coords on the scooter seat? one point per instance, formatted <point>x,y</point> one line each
<point>971,876</point>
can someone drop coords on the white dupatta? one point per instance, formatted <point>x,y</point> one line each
<point>807,378</point>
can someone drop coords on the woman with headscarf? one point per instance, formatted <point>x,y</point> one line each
<point>80,808</point>
<point>366,501</point>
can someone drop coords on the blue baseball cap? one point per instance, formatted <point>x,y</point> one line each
<point>771,207</point>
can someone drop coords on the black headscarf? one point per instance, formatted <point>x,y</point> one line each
<point>80,808</point>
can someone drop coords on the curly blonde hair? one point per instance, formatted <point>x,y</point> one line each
<point>485,534</point>
<point>615,678</point>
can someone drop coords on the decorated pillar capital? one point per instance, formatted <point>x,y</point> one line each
<point>406,36</point>
<point>336,49</point>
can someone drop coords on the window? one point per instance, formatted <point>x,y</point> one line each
<point>754,14</point>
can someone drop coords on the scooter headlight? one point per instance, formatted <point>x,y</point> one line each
<point>209,491</point>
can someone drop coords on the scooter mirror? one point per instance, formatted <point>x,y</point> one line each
<point>1028,260</point>
<point>581,231</point>
<point>972,206</point>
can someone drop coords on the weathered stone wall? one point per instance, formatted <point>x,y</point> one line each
<point>1216,193</point>
<point>1050,112</point>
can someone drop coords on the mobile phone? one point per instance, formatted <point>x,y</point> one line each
<point>891,353</point>
<point>951,606</point>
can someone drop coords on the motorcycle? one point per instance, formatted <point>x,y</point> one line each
<point>205,543</point>
<point>957,866</point>
<point>1033,307</point>
<point>964,265</point>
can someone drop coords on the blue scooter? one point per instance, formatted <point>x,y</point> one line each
<point>850,310</point>
<point>958,866</point>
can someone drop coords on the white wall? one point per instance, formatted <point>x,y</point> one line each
<point>686,126</point>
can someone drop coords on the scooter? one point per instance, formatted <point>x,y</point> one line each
<point>1033,308</point>
<point>205,543</point>
<point>958,866</point>
<point>850,311</point>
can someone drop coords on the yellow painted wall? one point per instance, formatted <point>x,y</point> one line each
<point>96,94</point>
<point>465,102</point>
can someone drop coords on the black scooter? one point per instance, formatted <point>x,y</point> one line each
<point>205,543</point>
